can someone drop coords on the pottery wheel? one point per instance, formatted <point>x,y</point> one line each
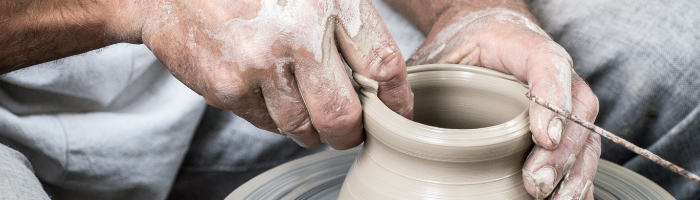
<point>320,176</point>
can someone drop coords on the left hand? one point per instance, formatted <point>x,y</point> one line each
<point>510,42</point>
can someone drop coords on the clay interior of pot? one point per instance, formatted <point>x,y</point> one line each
<point>470,137</point>
<point>448,104</point>
<point>461,100</point>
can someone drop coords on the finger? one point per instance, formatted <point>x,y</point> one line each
<point>579,182</point>
<point>441,48</point>
<point>228,90</point>
<point>538,61</point>
<point>548,71</point>
<point>549,75</point>
<point>589,194</point>
<point>370,50</point>
<point>286,105</point>
<point>333,105</point>
<point>544,168</point>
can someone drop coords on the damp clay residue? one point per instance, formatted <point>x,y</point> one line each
<point>469,139</point>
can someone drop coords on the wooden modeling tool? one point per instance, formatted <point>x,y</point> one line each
<point>643,152</point>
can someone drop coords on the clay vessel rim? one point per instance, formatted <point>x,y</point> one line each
<point>495,134</point>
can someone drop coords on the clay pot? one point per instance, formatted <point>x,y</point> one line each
<point>469,138</point>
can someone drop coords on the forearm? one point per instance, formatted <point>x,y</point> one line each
<point>37,31</point>
<point>424,14</point>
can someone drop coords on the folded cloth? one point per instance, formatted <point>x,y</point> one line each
<point>17,180</point>
<point>109,124</point>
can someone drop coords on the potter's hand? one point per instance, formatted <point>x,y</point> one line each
<point>277,64</point>
<point>502,36</point>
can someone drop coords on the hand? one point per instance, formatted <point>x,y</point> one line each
<point>278,63</point>
<point>510,42</point>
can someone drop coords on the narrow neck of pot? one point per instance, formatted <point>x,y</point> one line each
<point>483,115</point>
<point>470,138</point>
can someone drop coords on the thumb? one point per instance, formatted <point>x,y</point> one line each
<point>369,50</point>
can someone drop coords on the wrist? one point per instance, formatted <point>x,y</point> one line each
<point>468,10</point>
<point>476,21</point>
<point>122,19</point>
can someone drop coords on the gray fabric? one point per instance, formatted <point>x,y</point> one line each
<point>17,180</point>
<point>642,59</point>
<point>109,124</point>
<point>115,124</point>
<point>227,151</point>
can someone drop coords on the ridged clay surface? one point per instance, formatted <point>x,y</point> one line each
<point>470,136</point>
<point>468,141</point>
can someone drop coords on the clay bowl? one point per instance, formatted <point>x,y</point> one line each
<point>469,138</point>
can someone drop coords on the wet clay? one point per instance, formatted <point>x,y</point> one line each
<point>468,141</point>
<point>469,138</point>
<point>320,177</point>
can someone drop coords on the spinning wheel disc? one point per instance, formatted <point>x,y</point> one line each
<point>320,176</point>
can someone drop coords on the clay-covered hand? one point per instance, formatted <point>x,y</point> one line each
<point>278,63</point>
<point>511,42</point>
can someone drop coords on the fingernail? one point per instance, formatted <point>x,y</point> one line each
<point>556,126</point>
<point>569,163</point>
<point>547,175</point>
<point>535,140</point>
<point>584,191</point>
<point>543,180</point>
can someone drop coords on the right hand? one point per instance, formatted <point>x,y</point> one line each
<point>565,155</point>
<point>278,63</point>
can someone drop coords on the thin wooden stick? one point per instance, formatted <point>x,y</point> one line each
<point>647,154</point>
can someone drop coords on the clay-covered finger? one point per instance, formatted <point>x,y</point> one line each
<point>530,56</point>
<point>330,98</point>
<point>242,96</point>
<point>544,168</point>
<point>286,105</point>
<point>549,78</point>
<point>578,183</point>
<point>369,49</point>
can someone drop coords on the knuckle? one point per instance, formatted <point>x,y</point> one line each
<point>297,126</point>
<point>257,118</point>
<point>594,146</point>
<point>387,68</point>
<point>264,124</point>
<point>553,48</point>
<point>334,124</point>
<point>586,98</point>
<point>227,91</point>
<point>547,50</point>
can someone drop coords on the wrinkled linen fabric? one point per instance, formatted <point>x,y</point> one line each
<point>108,124</point>
<point>115,124</point>
<point>17,180</point>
